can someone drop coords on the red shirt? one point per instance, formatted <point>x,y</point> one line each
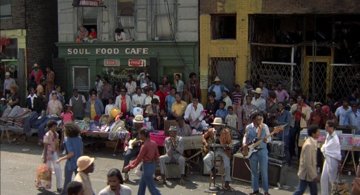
<point>148,153</point>
<point>123,106</point>
<point>162,96</point>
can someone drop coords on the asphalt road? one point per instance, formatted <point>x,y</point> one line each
<point>19,162</point>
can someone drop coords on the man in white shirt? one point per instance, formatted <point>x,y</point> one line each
<point>138,98</point>
<point>332,153</point>
<point>355,117</point>
<point>127,107</point>
<point>150,96</point>
<point>115,184</point>
<point>258,101</point>
<point>194,113</point>
<point>130,85</point>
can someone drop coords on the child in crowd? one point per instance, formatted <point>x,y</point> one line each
<point>109,106</point>
<point>221,112</point>
<point>153,112</point>
<point>67,116</point>
<point>74,149</point>
<point>2,105</point>
<point>50,153</point>
<point>231,119</point>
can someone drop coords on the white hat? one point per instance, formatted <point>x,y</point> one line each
<point>138,119</point>
<point>2,99</point>
<point>7,74</point>
<point>257,90</point>
<point>217,121</point>
<point>217,79</point>
<point>138,111</point>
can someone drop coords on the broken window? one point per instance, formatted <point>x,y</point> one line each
<point>223,26</point>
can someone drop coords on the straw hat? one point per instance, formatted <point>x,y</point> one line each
<point>84,162</point>
<point>173,128</point>
<point>257,90</point>
<point>217,121</point>
<point>143,85</point>
<point>317,103</point>
<point>138,119</point>
<point>217,79</point>
<point>7,74</point>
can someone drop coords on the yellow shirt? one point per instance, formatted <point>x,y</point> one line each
<point>92,111</point>
<point>179,108</point>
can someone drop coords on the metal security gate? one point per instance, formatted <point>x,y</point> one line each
<point>224,68</point>
<point>344,78</point>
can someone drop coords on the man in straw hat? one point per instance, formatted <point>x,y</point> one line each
<point>174,146</point>
<point>217,142</point>
<point>85,166</point>
<point>217,88</point>
<point>133,144</point>
<point>258,101</point>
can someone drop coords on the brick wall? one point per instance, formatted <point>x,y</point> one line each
<point>17,19</point>
<point>42,32</point>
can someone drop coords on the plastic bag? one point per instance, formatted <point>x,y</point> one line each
<point>43,177</point>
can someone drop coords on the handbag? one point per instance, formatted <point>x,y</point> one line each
<point>43,177</point>
<point>340,187</point>
<point>356,183</point>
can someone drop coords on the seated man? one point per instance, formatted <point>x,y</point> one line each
<point>174,146</point>
<point>222,135</point>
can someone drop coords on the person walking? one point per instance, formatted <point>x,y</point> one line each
<point>307,165</point>
<point>74,149</point>
<point>50,153</point>
<point>332,153</point>
<point>149,155</point>
<point>85,166</point>
<point>115,184</point>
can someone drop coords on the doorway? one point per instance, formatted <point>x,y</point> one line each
<point>317,81</point>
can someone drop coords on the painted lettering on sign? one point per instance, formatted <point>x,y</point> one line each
<point>107,51</point>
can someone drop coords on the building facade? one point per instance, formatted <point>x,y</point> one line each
<point>304,45</point>
<point>161,38</point>
<point>28,31</point>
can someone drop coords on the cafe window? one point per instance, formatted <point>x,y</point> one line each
<point>223,26</point>
<point>90,18</point>
<point>126,18</point>
<point>5,8</point>
<point>81,78</point>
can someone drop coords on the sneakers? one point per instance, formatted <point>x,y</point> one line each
<point>126,177</point>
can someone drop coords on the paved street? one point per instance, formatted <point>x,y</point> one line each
<point>18,164</point>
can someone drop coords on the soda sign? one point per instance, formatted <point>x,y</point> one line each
<point>111,62</point>
<point>137,62</point>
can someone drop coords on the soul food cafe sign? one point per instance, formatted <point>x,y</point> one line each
<point>107,51</point>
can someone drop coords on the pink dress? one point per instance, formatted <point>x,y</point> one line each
<point>67,117</point>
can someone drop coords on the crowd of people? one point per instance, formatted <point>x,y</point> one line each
<point>251,111</point>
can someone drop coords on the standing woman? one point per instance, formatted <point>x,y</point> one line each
<point>94,107</point>
<point>149,155</point>
<point>74,149</point>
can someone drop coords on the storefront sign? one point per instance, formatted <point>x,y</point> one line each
<point>107,51</point>
<point>137,62</point>
<point>88,3</point>
<point>111,62</point>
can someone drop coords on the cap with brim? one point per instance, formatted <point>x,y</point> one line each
<point>84,162</point>
<point>257,90</point>
<point>217,121</point>
<point>317,104</point>
<point>7,74</point>
<point>138,119</point>
<point>2,99</point>
<point>217,79</point>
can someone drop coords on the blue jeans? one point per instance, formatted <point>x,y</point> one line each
<point>130,154</point>
<point>259,160</point>
<point>68,176</point>
<point>28,122</point>
<point>148,180</point>
<point>302,187</point>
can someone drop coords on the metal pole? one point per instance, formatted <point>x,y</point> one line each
<point>292,68</point>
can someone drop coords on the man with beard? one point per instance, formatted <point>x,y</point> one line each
<point>115,184</point>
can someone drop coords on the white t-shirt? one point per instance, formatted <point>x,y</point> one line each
<point>124,190</point>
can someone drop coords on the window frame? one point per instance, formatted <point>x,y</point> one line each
<point>213,25</point>
<point>81,88</point>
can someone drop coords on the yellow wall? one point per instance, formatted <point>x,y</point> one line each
<point>238,48</point>
<point>19,34</point>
